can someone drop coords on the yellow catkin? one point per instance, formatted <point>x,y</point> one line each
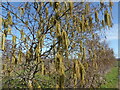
<point>90,53</point>
<point>59,64</point>
<point>6,32</point>
<point>75,81</point>
<point>22,34</point>
<point>107,18</point>
<point>5,23</point>
<point>77,69</point>
<point>58,32</point>
<point>110,3</point>
<point>81,46</point>
<point>20,56</point>
<point>90,21</point>
<point>9,18</point>
<point>38,53</point>
<point>56,5</point>
<point>72,34</point>
<point>86,65</point>
<point>46,10</point>
<point>14,40</point>
<point>3,42</point>
<point>84,53</point>
<point>87,24</point>
<point>87,8</point>
<point>83,18</point>
<point>9,30</point>
<point>65,39</point>
<point>110,22</point>
<point>82,72</point>
<point>83,23</point>
<point>13,59</point>
<point>71,7</point>
<point>4,67</point>
<point>26,23</point>
<point>96,16</point>
<point>103,23</point>
<point>43,68</point>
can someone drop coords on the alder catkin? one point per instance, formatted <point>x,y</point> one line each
<point>22,34</point>
<point>14,40</point>
<point>96,16</point>
<point>3,42</point>
<point>87,8</point>
<point>71,7</point>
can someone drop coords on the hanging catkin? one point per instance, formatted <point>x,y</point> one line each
<point>59,64</point>
<point>43,68</point>
<point>81,46</point>
<point>5,23</point>
<point>22,34</point>
<point>110,4</point>
<point>20,56</point>
<point>4,67</point>
<point>84,54</point>
<point>9,30</point>
<point>14,60</point>
<point>107,18</point>
<point>14,40</point>
<point>26,23</point>
<point>83,23</point>
<point>3,42</point>
<point>75,74</point>
<point>46,10</point>
<point>58,32</point>
<point>90,22</point>
<point>90,52</point>
<point>57,61</point>
<point>77,69</point>
<point>87,8</point>
<point>38,52</point>
<point>9,19</point>
<point>82,72</point>
<point>65,39</point>
<point>96,16</point>
<point>71,7</point>
<point>56,5</point>
<point>103,23</point>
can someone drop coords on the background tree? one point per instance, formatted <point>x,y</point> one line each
<point>53,41</point>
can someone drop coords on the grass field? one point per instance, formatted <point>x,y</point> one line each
<point>111,79</point>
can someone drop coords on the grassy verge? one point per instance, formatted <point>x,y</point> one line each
<point>111,79</point>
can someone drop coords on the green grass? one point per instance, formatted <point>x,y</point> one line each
<point>111,79</point>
